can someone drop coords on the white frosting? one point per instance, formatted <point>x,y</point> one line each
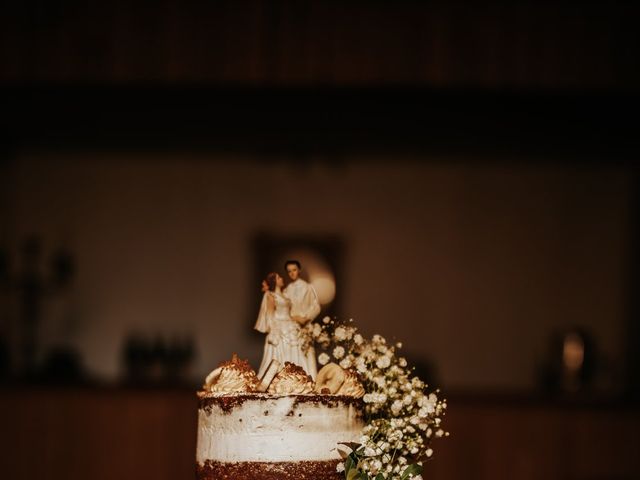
<point>306,431</point>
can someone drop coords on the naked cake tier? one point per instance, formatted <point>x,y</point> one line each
<point>262,436</point>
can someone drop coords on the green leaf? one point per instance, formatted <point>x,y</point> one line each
<point>411,471</point>
<point>379,477</point>
<point>353,474</point>
<point>349,465</point>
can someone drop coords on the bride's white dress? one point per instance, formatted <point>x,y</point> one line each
<point>285,339</point>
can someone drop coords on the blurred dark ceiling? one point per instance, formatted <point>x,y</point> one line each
<point>530,77</point>
<point>495,44</point>
<point>332,120</point>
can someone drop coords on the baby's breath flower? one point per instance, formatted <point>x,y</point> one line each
<point>403,416</point>
<point>350,331</point>
<point>340,334</point>
<point>383,362</point>
<point>345,363</point>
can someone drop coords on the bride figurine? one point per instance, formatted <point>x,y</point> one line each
<point>285,340</point>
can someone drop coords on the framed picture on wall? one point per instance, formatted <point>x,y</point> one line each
<point>321,264</point>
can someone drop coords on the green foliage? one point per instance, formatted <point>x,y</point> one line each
<point>411,471</point>
<point>352,464</point>
<point>353,474</point>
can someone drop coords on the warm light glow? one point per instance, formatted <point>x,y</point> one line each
<point>573,352</point>
<point>325,287</point>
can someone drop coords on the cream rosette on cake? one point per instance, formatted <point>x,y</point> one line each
<point>234,376</point>
<point>291,380</point>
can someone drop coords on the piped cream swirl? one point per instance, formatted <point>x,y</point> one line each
<point>234,376</point>
<point>291,380</point>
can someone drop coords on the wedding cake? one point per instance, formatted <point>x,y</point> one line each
<point>290,431</point>
<point>363,415</point>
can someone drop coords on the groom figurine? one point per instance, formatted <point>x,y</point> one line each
<point>304,304</point>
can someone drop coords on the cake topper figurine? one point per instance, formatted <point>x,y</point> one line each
<point>283,313</point>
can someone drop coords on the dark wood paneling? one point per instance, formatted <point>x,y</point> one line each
<point>129,434</point>
<point>79,434</point>
<point>497,44</point>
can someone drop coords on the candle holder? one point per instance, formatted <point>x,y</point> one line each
<point>36,280</point>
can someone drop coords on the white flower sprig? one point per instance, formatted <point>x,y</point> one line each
<point>402,416</point>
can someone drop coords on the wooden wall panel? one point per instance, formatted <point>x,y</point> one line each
<point>129,434</point>
<point>77,434</point>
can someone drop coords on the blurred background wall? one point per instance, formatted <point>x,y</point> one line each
<point>474,266</point>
